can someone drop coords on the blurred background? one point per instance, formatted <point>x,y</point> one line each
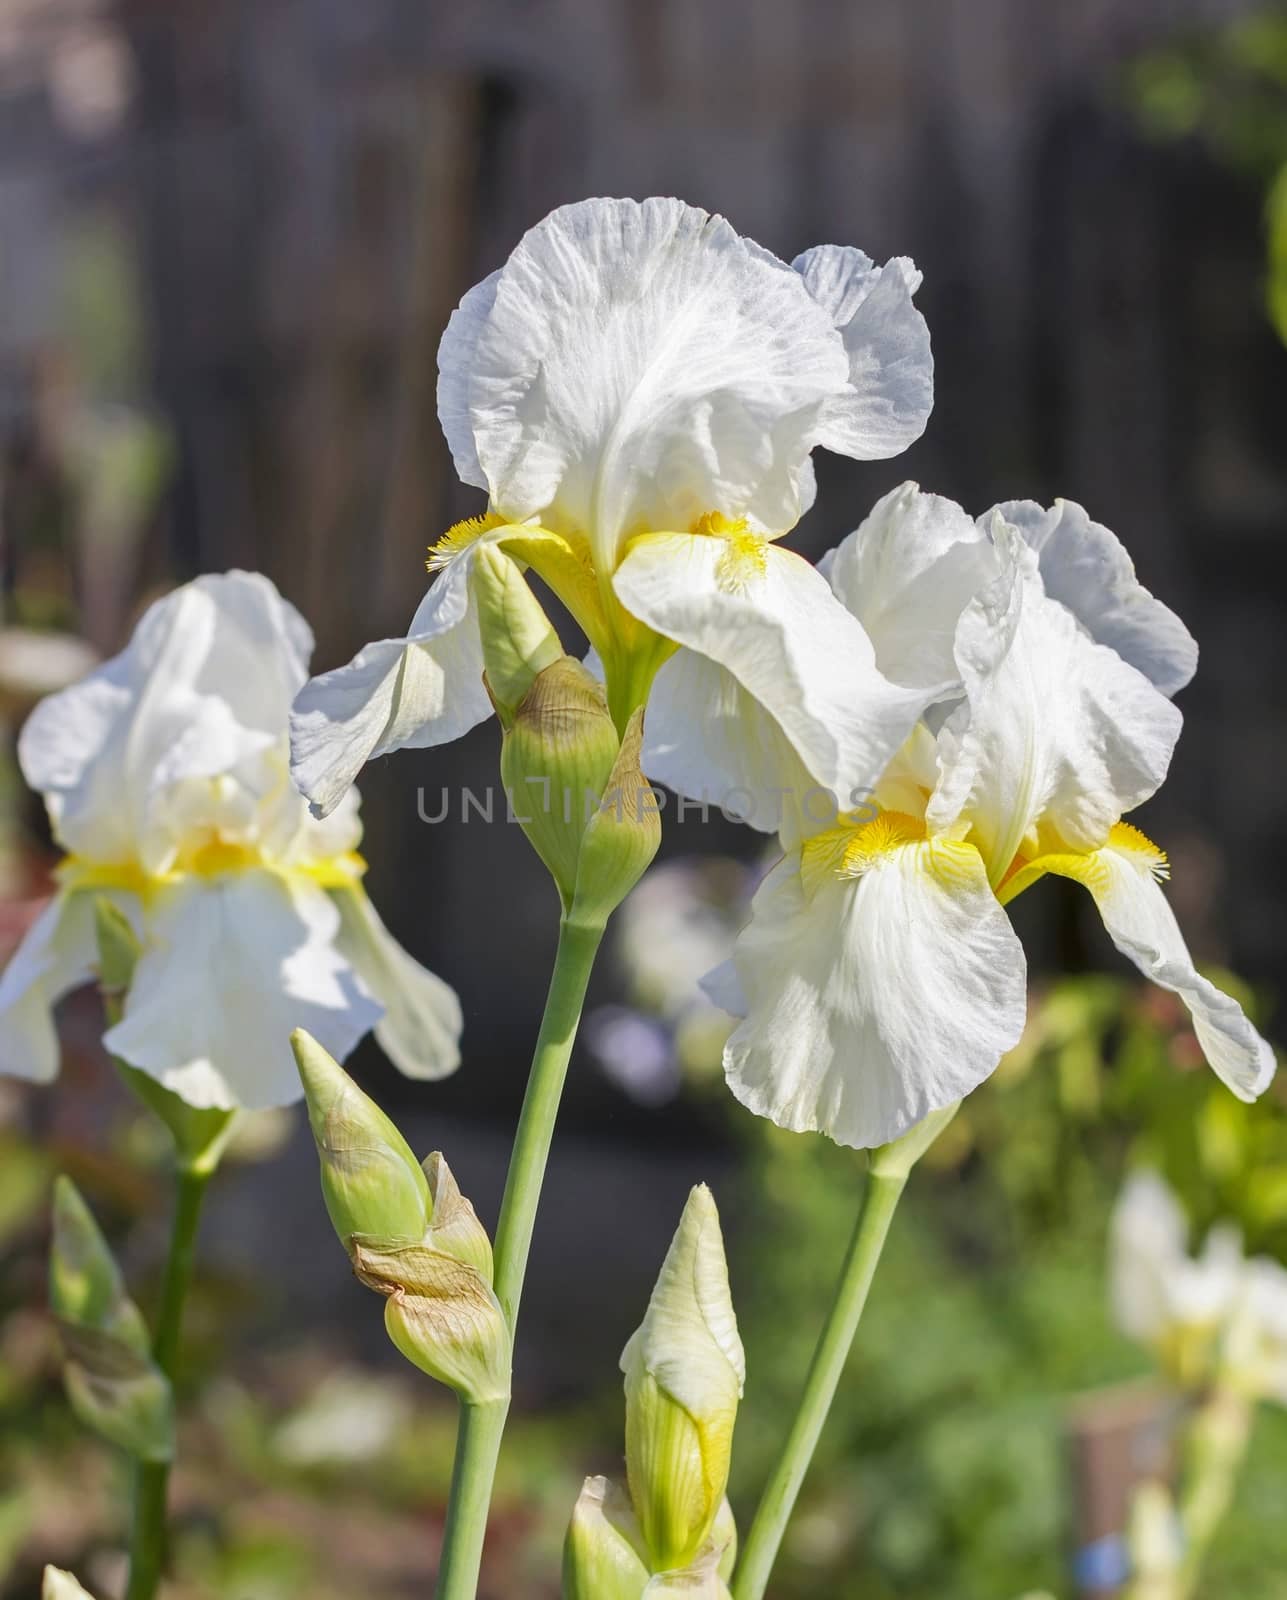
<point>230,237</point>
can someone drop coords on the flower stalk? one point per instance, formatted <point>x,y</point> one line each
<point>482,1426</point>
<point>199,1139</point>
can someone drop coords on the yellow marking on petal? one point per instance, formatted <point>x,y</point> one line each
<point>459,537</point>
<point>332,872</point>
<point>76,872</point>
<point>212,858</point>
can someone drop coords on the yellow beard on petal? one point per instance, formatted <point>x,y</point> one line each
<point>743,558</point>
<point>1084,866</point>
<point>849,850</point>
<point>459,537</point>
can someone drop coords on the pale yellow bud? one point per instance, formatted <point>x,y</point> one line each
<point>684,1369</point>
<point>519,641</point>
<point>603,1556</point>
<point>113,1385</point>
<point>60,1585</point>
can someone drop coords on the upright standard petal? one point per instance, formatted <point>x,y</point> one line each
<point>907,573</point>
<point>233,965</point>
<point>891,369</point>
<point>421,1025</point>
<point>1124,879</point>
<point>57,954</point>
<point>456,353</point>
<point>642,364</point>
<point>1057,737</point>
<point>395,694</point>
<point>883,982</point>
<point>1086,568</point>
<point>203,685</point>
<point>771,621</point>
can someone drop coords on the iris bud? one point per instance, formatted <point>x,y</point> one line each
<point>519,641</point>
<point>684,1370</point>
<point>113,1384</point>
<point>371,1182</point>
<point>410,1234</point>
<point>602,1554</point>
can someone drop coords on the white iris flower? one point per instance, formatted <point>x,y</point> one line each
<point>879,977</point>
<point>166,777</point>
<point>638,390</point>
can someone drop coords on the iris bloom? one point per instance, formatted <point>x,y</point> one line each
<point>879,977</point>
<point>638,390</point>
<point>1214,1312</point>
<point>165,774</point>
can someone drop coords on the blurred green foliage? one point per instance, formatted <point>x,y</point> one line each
<point>943,1469</point>
<point>1228,87</point>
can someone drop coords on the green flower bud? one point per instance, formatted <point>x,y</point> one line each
<point>371,1182</point>
<point>441,1314</point>
<point>519,641</point>
<point>558,754</point>
<point>684,1370</point>
<point>621,837</point>
<point>113,1385</point>
<point>410,1233</point>
<point>60,1585</point>
<point>603,1552</point>
<point>896,1160</point>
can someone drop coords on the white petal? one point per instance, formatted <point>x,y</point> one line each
<point>907,573</point>
<point>642,365</point>
<point>396,694</point>
<point>204,684</point>
<point>787,640</point>
<point>420,1028</point>
<point>891,369</point>
<point>1057,734</point>
<point>1086,567</point>
<point>57,954</point>
<point>456,356</point>
<point>874,1001</point>
<point>1142,925</point>
<point>707,737</point>
<point>231,966</point>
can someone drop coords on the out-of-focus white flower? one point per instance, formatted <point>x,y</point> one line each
<point>1207,1315</point>
<point>165,774</point>
<point>639,390</point>
<point>879,977</point>
<point>1160,1292</point>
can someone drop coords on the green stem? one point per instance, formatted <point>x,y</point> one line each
<point>1215,1447</point>
<point>147,1540</point>
<point>479,1437</point>
<point>779,1498</point>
